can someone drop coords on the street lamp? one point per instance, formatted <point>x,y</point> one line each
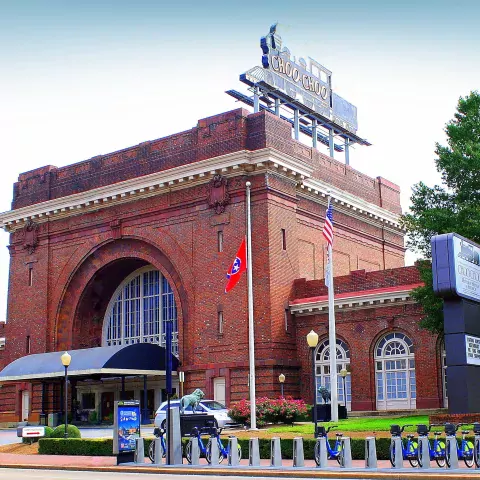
<point>66,358</point>
<point>181,380</point>
<point>281,379</point>
<point>344,373</point>
<point>312,340</point>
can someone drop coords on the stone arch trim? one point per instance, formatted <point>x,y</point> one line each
<point>84,264</point>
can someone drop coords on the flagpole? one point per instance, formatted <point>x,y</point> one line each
<point>251,337</point>
<point>332,340</point>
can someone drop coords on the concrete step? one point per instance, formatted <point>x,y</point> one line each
<point>397,413</point>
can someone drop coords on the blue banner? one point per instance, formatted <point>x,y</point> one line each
<point>128,426</point>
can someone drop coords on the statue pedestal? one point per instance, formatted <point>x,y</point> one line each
<point>190,421</point>
<point>324,412</point>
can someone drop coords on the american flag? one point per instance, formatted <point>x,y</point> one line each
<point>328,226</point>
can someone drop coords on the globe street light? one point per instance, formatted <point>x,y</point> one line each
<point>344,373</point>
<point>312,340</point>
<point>66,359</point>
<point>281,379</point>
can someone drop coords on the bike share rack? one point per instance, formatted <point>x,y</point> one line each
<point>322,448</point>
<point>451,445</point>
<point>254,452</point>
<point>396,442</point>
<point>275,452</point>
<point>423,447</point>
<point>370,452</point>
<point>476,444</point>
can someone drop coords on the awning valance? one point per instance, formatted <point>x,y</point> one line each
<point>136,359</point>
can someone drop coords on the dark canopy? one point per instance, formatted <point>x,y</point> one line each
<point>137,359</point>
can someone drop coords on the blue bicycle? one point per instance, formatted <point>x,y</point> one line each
<point>409,445</point>
<point>437,449</point>
<point>223,452</point>
<point>464,448</point>
<point>159,433</point>
<point>332,452</point>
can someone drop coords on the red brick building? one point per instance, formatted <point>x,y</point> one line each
<point>104,251</point>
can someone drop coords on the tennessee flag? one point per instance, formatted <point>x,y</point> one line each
<point>239,265</point>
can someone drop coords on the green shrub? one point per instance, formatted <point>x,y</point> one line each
<point>48,432</point>
<point>72,432</point>
<point>93,416</point>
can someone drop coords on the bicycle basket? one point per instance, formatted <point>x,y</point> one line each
<point>395,430</point>
<point>321,432</point>
<point>476,428</point>
<point>422,430</point>
<point>450,429</point>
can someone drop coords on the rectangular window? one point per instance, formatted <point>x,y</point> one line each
<point>220,323</point>
<point>88,401</point>
<point>28,344</point>
<point>2,343</point>
<point>286,319</point>
<point>30,275</point>
<point>284,239</point>
<point>220,240</point>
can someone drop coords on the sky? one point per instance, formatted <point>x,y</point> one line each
<point>88,77</point>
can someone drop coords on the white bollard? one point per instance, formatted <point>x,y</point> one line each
<point>139,450</point>
<point>451,451</point>
<point>275,452</point>
<point>298,455</point>
<point>370,452</point>
<point>423,452</point>
<point>194,451</point>
<point>346,453</point>
<point>321,448</point>
<point>398,457</point>
<point>254,452</point>
<point>158,450</point>
<point>233,459</point>
<point>214,451</point>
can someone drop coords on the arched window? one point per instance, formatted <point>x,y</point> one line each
<point>395,372</point>
<point>322,370</point>
<point>139,310</point>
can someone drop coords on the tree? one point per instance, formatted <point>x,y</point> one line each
<point>453,206</point>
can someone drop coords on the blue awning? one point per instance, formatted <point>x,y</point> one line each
<point>136,359</point>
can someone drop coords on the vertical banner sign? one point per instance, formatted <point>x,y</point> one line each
<point>126,426</point>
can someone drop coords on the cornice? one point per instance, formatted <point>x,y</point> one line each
<point>354,302</point>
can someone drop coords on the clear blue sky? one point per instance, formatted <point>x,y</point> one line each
<point>88,77</point>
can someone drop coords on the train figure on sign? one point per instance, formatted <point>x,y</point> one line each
<point>468,253</point>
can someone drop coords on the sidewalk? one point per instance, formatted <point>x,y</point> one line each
<point>108,464</point>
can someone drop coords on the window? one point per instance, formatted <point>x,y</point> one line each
<point>220,322</point>
<point>322,371</point>
<point>2,343</point>
<point>395,372</point>
<point>30,275</point>
<point>88,401</point>
<point>28,344</point>
<point>220,240</point>
<point>284,239</point>
<point>139,310</point>
<point>285,317</point>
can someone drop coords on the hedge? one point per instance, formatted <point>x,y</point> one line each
<point>104,447</point>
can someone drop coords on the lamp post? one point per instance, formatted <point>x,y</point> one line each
<point>312,340</point>
<point>344,373</point>
<point>66,358</point>
<point>181,380</point>
<point>281,379</point>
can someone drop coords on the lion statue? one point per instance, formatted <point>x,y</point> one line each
<point>192,399</point>
<point>325,393</point>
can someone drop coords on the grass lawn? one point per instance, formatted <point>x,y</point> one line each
<point>357,424</point>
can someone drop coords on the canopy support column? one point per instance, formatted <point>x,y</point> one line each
<point>145,416</point>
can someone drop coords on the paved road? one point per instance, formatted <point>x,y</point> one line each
<point>10,435</point>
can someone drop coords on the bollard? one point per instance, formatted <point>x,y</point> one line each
<point>254,452</point>
<point>346,453</point>
<point>214,451</point>
<point>370,452</point>
<point>158,450</point>
<point>275,452</point>
<point>139,450</point>
<point>194,451</point>
<point>298,456</point>
<point>396,453</point>
<point>476,451</point>
<point>451,451</point>
<point>321,453</point>
<point>233,459</point>
<point>423,452</point>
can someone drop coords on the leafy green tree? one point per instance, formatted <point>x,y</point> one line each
<point>453,206</point>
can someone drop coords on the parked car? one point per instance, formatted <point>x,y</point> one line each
<point>212,407</point>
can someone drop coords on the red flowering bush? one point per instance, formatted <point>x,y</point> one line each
<point>277,410</point>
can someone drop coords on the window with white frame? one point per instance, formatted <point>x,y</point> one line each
<point>395,372</point>
<point>139,310</point>
<point>322,370</point>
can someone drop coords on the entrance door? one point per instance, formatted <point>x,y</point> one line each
<point>107,406</point>
<point>219,389</point>
<point>25,405</point>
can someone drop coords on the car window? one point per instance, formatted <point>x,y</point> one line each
<point>172,405</point>
<point>212,405</point>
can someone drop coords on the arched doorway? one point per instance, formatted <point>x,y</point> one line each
<point>395,372</point>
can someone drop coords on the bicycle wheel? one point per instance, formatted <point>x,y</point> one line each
<point>440,454</point>
<point>467,453</point>
<point>412,449</point>
<point>151,451</point>
<point>447,456</point>
<point>476,453</point>
<point>392,453</point>
<point>339,454</point>
<point>316,453</point>
<point>188,452</point>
